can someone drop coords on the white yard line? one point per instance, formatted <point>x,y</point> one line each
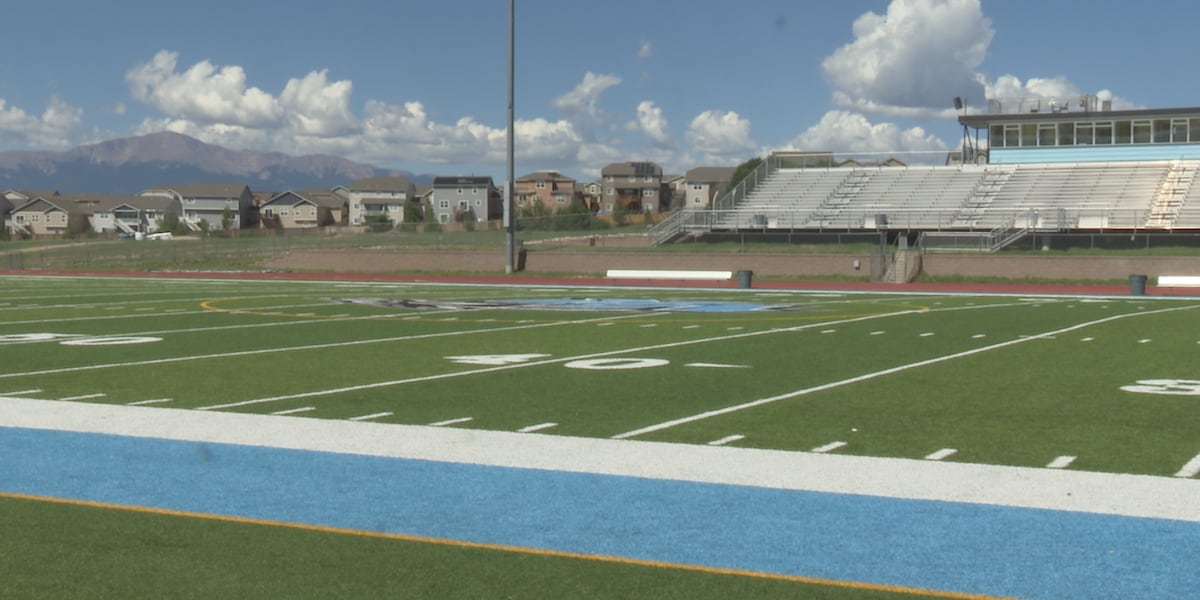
<point>294,411</point>
<point>83,397</point>
<point>883,373</point>
<point>942,454</point>
<point>538,363</point>
<point>1061,462</point>
<point>369,417</point>
<point>452,422</point>
<point>147,402</point>
<point>830,447</point>
<point>538,427</point>
<point>1078,491</point>
<point>1191,469</point>
<point>729,439</point>
<point>402,338</point>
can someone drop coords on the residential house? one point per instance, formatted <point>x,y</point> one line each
<point>454,198</point>
<point>376,198</point>
<point>208,205</point>
<point>11,199</point>
<point>43,216</point>
<point>552,189</point>
<point>705,184</point>
<point>634,187</point>
<point>590,194</point>
<point>123,214</point>
<point>302,210</point>
<point>674,191</point>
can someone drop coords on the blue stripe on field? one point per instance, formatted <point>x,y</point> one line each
<point>933,545</point>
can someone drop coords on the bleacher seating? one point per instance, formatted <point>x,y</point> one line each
<point>1114,195</point>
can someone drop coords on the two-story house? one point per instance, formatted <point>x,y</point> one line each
<point>635,187</point>
<point>209,205</point>
<point>123,214</point>
<point>303,210</point>
<point>45,216</point>
<point>380,197</point>
<point>704,184</point>
<point>552,189</point>
<point>454,198</point>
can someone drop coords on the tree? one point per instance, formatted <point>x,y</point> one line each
<point>744,170</point>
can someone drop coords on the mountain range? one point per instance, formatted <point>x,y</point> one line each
<point>133,164</point>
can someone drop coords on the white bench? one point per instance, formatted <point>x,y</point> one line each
<point>1174,281</point>
<point>689,275</point>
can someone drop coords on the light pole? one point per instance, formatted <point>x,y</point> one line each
<point>509,221</point>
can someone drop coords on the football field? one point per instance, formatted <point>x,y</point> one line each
<point>629,441</point>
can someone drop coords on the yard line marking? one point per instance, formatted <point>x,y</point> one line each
<point>1144,341</point>
<point>942,454</point>
<point>1061,462</point>
<point>927,334</point>
<point>538,427</point>
<point>829,331</point>
<point>292,411</point>
<point>550,361</point>
<point>648,325</point>
<point>403,338</point>
<point>22,392</point>
<point>371,416</point>
<point>883,373</point>
<point>83,397</point>
<point>878,332</point>
<point>1088,339</point>
<point>702,365</point>
<point>729,439</point>
<point>452,422</point>
<point>978,336</point>
<point>830,447</point>
<point>1191,469</point>
<point>145,402</point>
<point>691,326</point>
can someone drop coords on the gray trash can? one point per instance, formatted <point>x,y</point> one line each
<point>1137,285</point>
<point>744,278</point>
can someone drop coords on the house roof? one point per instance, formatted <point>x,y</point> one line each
<point>632,168</point>
<point>544,175</point>
<point>711,174</point>
<point>381,184</point>
<point>208,190</point>
<point>455,181</point>
<point>42,205</point>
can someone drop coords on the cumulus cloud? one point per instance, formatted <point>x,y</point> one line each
<point>203,93</point>
<point>847,132</point>
<point>650,121</point>
<point>313,106</point>
<point>920,54</point>
<point>51,129</point>
<point>720,137</point>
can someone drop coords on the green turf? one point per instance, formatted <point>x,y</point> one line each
<point>52,550</point>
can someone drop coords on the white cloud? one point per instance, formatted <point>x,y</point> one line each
<point>846,132</point>
<point>720,138</point>
<point>582,105</point>
<point>203,93</point>
<point>52,129</point>
<point>920,54</point>
<point>313,106</point>
<point>650,121</point>
<point>646,50</point>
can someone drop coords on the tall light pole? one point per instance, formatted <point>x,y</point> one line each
<point>509,218</point>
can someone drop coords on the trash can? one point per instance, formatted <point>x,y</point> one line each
<point>1137,285</point>
<point>744,278</point>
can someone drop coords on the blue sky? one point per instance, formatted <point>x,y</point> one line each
<point>422,85</point>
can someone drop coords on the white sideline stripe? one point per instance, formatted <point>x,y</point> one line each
<point>877,374</point>
<point>668,274</point>
<point>23,392</point>
<point>145,402</point>
<point>293,411</point>
<point>452,422</point>
<point>538,363</point>
<point>1061,462</point>
<point>1191,469</point>
<point>371,416</point>
<point>1076,491</point>
<point>729,439</point>
<point>942,454</point>
<point>830,447</point>
<point>83,397</point>
<point>538,427</point>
